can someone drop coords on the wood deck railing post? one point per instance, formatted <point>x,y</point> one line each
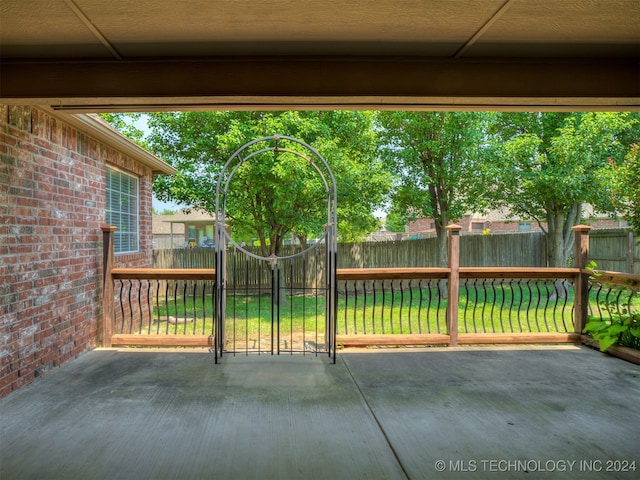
<point>581,259</point>
<point>453,283</point>
<point>107,284</point>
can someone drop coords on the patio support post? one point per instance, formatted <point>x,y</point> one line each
<point>453,234</point>
<point>107,284</point>
<point>581,258</point>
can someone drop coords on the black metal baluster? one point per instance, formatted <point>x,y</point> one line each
<point>500,294</point>
<point>184,305</point>
<point>121,299</point>
<point>401,305</point>
<point>373,310</point>
<point>564,306</point>
<point>484,304</point>
<point>150,304</point>
<point>364,307</point>
<point>475,306</point>
<point>355,306</point>
<point>537,308</point>
<point>428,287</point>
<point>438,304</point>
<point>346,307</point>
<point>304,306</point>
<point>519,304</point>
<point>511,303</point>
<point>493,304</point>
<point>382,312</point>
<point>411,305</point>
<point>130,306</point>
<point>291,280</point>
<point>140,307</point>
<point>466,304</point>
<point>420,306</point>
<point>528,305</point>
<point>393,301</point>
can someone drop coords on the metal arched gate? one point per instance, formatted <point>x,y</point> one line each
<point>276,304</point>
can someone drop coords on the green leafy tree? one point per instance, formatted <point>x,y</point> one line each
<point>547,165</point>
<point>626,180</point>
<point>127,124</point>
<point>395,221</point>
<point>434,157</point>
<point>279,195</point>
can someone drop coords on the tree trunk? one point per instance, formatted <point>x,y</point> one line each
<point>555,242</point>
<point>559,241</point>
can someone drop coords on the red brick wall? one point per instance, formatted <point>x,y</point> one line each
<point>52,205</point>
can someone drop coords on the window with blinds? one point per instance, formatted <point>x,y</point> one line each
<point>122,209</point>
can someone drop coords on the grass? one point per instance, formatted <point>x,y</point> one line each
<point>499,308</point>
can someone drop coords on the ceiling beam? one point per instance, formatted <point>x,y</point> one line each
<point>93,29</point>
<point>497,14</point>
<point>323,82</point>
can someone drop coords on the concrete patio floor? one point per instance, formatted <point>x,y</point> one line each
<point>534,412</point>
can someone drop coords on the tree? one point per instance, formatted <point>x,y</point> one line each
<point>626,190</point>
<point>126,123</point>
<point>278,195</point>
<point>434,156</point>
<point>547,165</point>
<point>395,221</point>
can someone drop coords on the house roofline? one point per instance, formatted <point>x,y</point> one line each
<point>101,130</point>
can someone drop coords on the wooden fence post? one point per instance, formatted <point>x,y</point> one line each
<point>453,283</point>
<point>107,284</point>
<point>581,259</point>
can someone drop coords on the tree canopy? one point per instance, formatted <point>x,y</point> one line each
<point>546,166</point>
<point>626,190</point>
<point>276,196</point>
<point>434,157</point>
<point>441,165</point>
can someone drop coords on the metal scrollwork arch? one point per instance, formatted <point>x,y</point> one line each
<point>329,237</point>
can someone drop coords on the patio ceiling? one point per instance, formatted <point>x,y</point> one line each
<point>98,55</point>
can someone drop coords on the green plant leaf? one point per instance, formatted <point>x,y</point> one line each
<point>595,326</point>
<point>615,330</point>
<point>607,342</point>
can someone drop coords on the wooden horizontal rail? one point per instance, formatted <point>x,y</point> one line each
<point>391,273</point>
<point>615,278</point>
<point>162,340</point>
<point>392,340</point>
<point>518,272</point>
<point>384,273</point>
<point>465,272</point>
<point>517,338</point>
<point>463,339</point>
<point>164,273</point>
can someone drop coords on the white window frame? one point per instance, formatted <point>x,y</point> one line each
<point>524,226</point>
<point>124,214</point>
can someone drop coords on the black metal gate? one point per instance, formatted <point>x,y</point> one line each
<point>272,304</point>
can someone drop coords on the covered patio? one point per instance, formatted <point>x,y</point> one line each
<point>514,412</point>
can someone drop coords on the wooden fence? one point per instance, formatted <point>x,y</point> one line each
<point>614,250</point>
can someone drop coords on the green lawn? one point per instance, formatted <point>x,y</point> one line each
<point>499,308</point>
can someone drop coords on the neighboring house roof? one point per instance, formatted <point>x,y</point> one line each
<point>102,131</point>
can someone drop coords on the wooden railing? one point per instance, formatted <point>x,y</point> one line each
<point>433,317</point>
<point>137,295</point>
